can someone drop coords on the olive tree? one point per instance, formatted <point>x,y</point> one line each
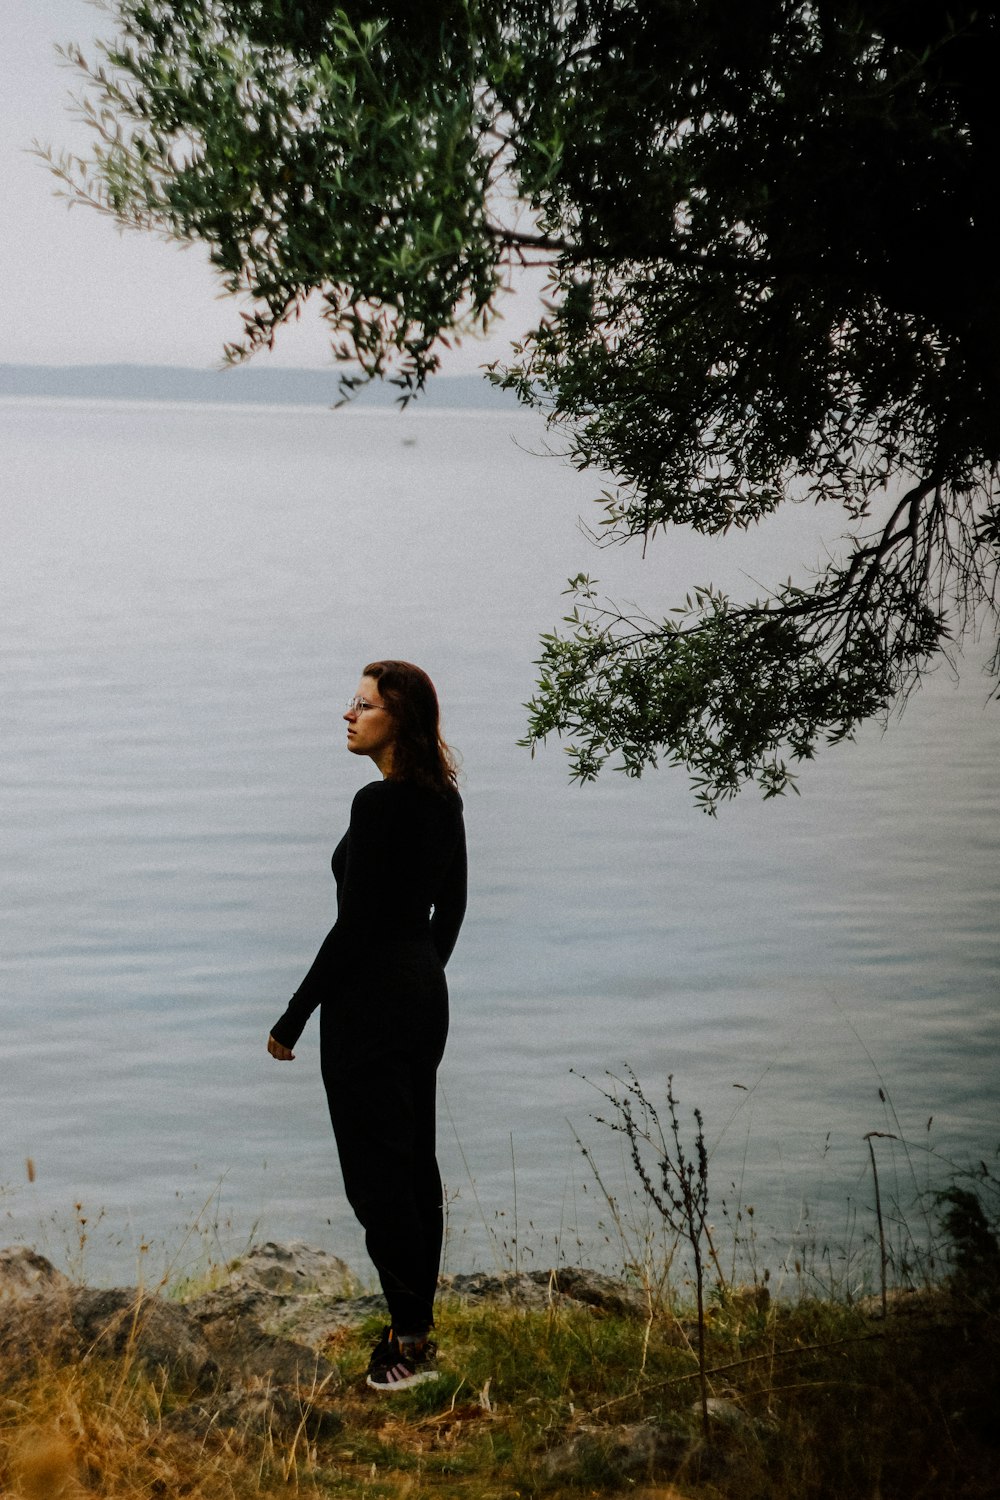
<point>771,279</point>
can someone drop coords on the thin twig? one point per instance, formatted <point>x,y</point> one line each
<point>736,1364</point>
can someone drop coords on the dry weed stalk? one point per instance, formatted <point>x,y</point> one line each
<point>681,1198</point>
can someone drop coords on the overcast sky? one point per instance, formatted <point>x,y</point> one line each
<point>77,290</point>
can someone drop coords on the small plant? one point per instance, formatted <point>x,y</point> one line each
<point>681,1197</point>
<point>974,1244</point>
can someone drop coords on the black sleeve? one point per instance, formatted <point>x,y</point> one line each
<point>450,899</point>
<point>368,847</point>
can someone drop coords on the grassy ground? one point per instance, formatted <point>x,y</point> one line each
<point>796,1398</point>
<point>809,1400</point>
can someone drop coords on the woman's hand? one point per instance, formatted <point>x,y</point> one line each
<point>283,1054</point>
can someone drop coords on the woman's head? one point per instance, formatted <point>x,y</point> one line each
<point>403,735</point>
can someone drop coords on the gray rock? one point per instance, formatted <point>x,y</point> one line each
<point>159,1335</point>
<point>605,1455</point>
<point>205,1345</point>
<point>526,1289</point>
<point>235,1302</point>
<point>309,1319</point>
<point>630,1452</point>
<point>313,1321</point>
<point>725,1413</point>
<point>75,1323</point>
<point>70,1323</point>
<point>267,1323</point>
<point>597,1290</point>
<point>245,1413</point>
<point>293,1289</point>
<point>538,1289</point>
<point>246,1352</point>
<point>293,1269</point>
<point>287,1289</point>
<point>24,1272</point>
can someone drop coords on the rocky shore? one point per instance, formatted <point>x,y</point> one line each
<point>551,1381</point>
<point>249,1353</point>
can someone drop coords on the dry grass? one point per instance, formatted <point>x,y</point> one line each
<point>98,1429</point>
<point>818,1402</point>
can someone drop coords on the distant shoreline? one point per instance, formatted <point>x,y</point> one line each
<point>241,386</point>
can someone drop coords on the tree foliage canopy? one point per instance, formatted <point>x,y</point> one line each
<point>772,277</point>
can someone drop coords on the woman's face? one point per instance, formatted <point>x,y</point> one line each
<point>370,730</point>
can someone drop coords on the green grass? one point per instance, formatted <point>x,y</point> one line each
<point>830,1403</point>
<point>836,1402</point>
<point>813,1397</point>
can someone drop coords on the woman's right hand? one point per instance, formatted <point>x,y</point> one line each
<point>283,1054</point>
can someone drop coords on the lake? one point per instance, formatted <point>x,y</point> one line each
<point>189,594</point>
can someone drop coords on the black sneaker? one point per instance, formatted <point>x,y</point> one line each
<point>379,1350</point>
<point>391,1368</point>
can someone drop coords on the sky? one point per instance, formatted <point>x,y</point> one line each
<point>79,291</point>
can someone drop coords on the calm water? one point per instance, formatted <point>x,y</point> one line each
<point>189,594</point>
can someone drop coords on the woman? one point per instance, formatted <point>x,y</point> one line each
<point>379,979</point>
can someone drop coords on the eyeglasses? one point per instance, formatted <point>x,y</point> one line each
<point>360,705</point>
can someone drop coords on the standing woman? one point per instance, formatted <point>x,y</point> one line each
<point>379,980</point>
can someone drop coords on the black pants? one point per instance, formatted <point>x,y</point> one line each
<point>380,1060</point>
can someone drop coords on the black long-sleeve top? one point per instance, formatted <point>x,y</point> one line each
<point>401,879</point>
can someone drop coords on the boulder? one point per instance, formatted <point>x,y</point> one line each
<point>539,1289</point>
<point>44,1315</point>
<point>525,1288</point>
<point>287,1288</point>
<point>277,1307</point>
<point>66,1324</point>
<point>159,1335</point>
<point>724,1412</point>
<point>608,1455</point>
<point>24,1272</point>
<point>598,1290</point>
<point>292,1269</point>
<point>257,1411</point>
<point>629,1452</point>
<point>245,1352</point>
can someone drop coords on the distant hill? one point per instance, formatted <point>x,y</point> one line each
<point>246,383</point>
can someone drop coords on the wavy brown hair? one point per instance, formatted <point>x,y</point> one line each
<point>419,752</point>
